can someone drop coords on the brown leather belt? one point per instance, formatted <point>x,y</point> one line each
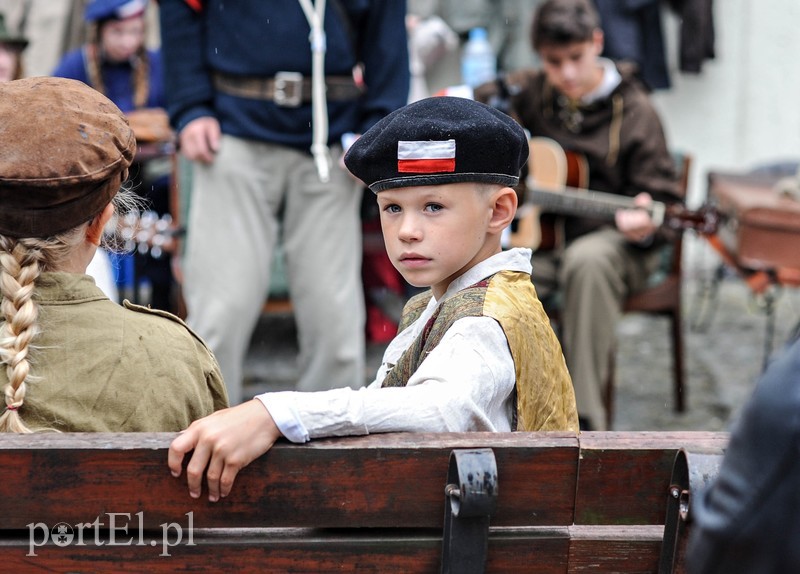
<point>286,89</point>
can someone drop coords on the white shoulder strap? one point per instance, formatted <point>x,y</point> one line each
<point>315,14</point>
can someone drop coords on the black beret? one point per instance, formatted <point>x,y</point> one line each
<point>65,149</point>
<point>439,140</point>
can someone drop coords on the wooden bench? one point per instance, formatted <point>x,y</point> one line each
<point>555,503</point>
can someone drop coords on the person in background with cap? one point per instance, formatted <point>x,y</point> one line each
<point>474,353</point>
<point>74,360</point>
<point>11,48</point>
<point>265,94</point>
<point>116,62</point>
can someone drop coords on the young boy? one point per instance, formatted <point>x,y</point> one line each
<point>475,353</point>
<point>598,110</point>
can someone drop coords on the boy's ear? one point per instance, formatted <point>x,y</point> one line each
<point>598,41</point>
<point>503,209</point>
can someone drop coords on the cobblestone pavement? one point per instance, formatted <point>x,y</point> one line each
<point>724,353</point>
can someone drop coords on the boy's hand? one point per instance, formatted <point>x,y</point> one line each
<point>223,443</point>
<point>636,224</point>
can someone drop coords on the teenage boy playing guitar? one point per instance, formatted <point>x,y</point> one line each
<point>596,108</point>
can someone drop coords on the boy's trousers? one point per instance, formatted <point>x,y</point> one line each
<point>594,274</point>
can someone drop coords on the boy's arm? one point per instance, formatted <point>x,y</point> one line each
<point>464,384</point>
<point>223,443</point>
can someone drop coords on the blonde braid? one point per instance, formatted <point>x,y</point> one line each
<point>20,265</point>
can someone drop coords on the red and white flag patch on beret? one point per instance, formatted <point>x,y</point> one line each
<point>426,156</point>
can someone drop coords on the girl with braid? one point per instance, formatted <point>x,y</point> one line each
<point>71,359</point>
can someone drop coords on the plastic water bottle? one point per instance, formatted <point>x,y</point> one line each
<point>478,62</point>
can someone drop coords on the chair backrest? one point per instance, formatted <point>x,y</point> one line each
<point>683,165</point>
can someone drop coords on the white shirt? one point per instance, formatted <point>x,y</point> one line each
<point>465,384</point>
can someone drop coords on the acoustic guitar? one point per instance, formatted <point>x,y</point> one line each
<point>557,185</point>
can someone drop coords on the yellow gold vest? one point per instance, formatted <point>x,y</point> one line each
<point>545,399</point>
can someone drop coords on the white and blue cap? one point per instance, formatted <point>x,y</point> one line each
<point>100,10</point>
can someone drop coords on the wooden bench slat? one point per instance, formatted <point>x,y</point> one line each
<point>530,550</point>
<point>624,476</point>
<point>361,482</point>
<point>526,550</point>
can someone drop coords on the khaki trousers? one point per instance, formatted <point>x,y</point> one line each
<point>593,274</point>
<point>253,194</point>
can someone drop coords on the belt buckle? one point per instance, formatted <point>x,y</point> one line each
<point>288,91</point>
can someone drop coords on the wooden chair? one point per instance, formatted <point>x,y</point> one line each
<point>661,297</point>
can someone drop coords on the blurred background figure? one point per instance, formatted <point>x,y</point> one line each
<point>265,116</point>
<point>11,47</point>
<point>429,40</point>
<point>439,31</point>
<point>115,61</point>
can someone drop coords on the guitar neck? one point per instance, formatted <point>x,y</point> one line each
<point>587,203</point>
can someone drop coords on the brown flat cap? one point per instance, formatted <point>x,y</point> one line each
<point>64,152</point>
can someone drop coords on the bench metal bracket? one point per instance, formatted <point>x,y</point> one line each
<point>691,474</point>
<point>470,500</point>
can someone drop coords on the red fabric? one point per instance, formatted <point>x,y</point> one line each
<point>378,272</point>
<point>196,5</point>
<point>447,165</point>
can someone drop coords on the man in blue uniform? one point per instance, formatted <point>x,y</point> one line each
<point>262,93</point>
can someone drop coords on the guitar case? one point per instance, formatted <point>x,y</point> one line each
<point>759,219</point>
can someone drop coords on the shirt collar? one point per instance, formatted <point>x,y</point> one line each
<point>58,287</point>
<point>517,259</point>
<point>611,79</point>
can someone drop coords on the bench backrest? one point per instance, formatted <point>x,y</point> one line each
<point>375,503</point>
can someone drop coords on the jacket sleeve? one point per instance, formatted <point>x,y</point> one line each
<point>650,165</point>
<point>747,520</point>
<point>383,50</point>
<point>187,79</point>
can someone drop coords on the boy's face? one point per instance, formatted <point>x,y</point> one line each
<point>435,233</point>
<point>573,68</point>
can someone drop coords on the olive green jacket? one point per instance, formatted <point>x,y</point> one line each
<point>102,367</point>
